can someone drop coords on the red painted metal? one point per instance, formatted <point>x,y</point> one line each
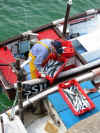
<point>6,57</point>
<point>68,49</point>
<point>48,34</point>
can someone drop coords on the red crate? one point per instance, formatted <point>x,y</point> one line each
<point>68,49</point>
<point>52,57</point>
<point>71,97</point>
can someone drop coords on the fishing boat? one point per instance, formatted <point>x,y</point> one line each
<point>58,113</point>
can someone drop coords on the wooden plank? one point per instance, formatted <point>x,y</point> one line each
<point>90,41</point>
<point>57,101</point>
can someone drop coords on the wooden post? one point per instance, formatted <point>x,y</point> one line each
<point>69,3</point>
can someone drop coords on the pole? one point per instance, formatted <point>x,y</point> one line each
<point>19,85</point>
<point>69,3</point>
<point>2,124</point>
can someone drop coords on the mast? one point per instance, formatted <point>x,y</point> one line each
<point>69,3</point>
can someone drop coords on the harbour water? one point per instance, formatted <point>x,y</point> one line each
<point>17,16</point>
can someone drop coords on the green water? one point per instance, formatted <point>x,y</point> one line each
<point>17,16</point>
<point>5,103</point>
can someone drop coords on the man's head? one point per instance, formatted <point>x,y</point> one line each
<point>57,46</point>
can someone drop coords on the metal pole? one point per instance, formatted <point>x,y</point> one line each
<point>69,3</point>
<point>20,100</point>
<point>80,69</point>
<point>2,124</point>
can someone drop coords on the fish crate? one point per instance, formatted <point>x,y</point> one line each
<point>69,52</point>
<point>52,67</point>
<point>76,98</point>
<point>68,49</point>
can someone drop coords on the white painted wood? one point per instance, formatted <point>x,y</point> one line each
<point>14,126</point>
<point>91,42</point>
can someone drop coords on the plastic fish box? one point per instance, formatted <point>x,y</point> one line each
<point>77,100</point>
<point>68,49</point>
<point>53,66</point>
